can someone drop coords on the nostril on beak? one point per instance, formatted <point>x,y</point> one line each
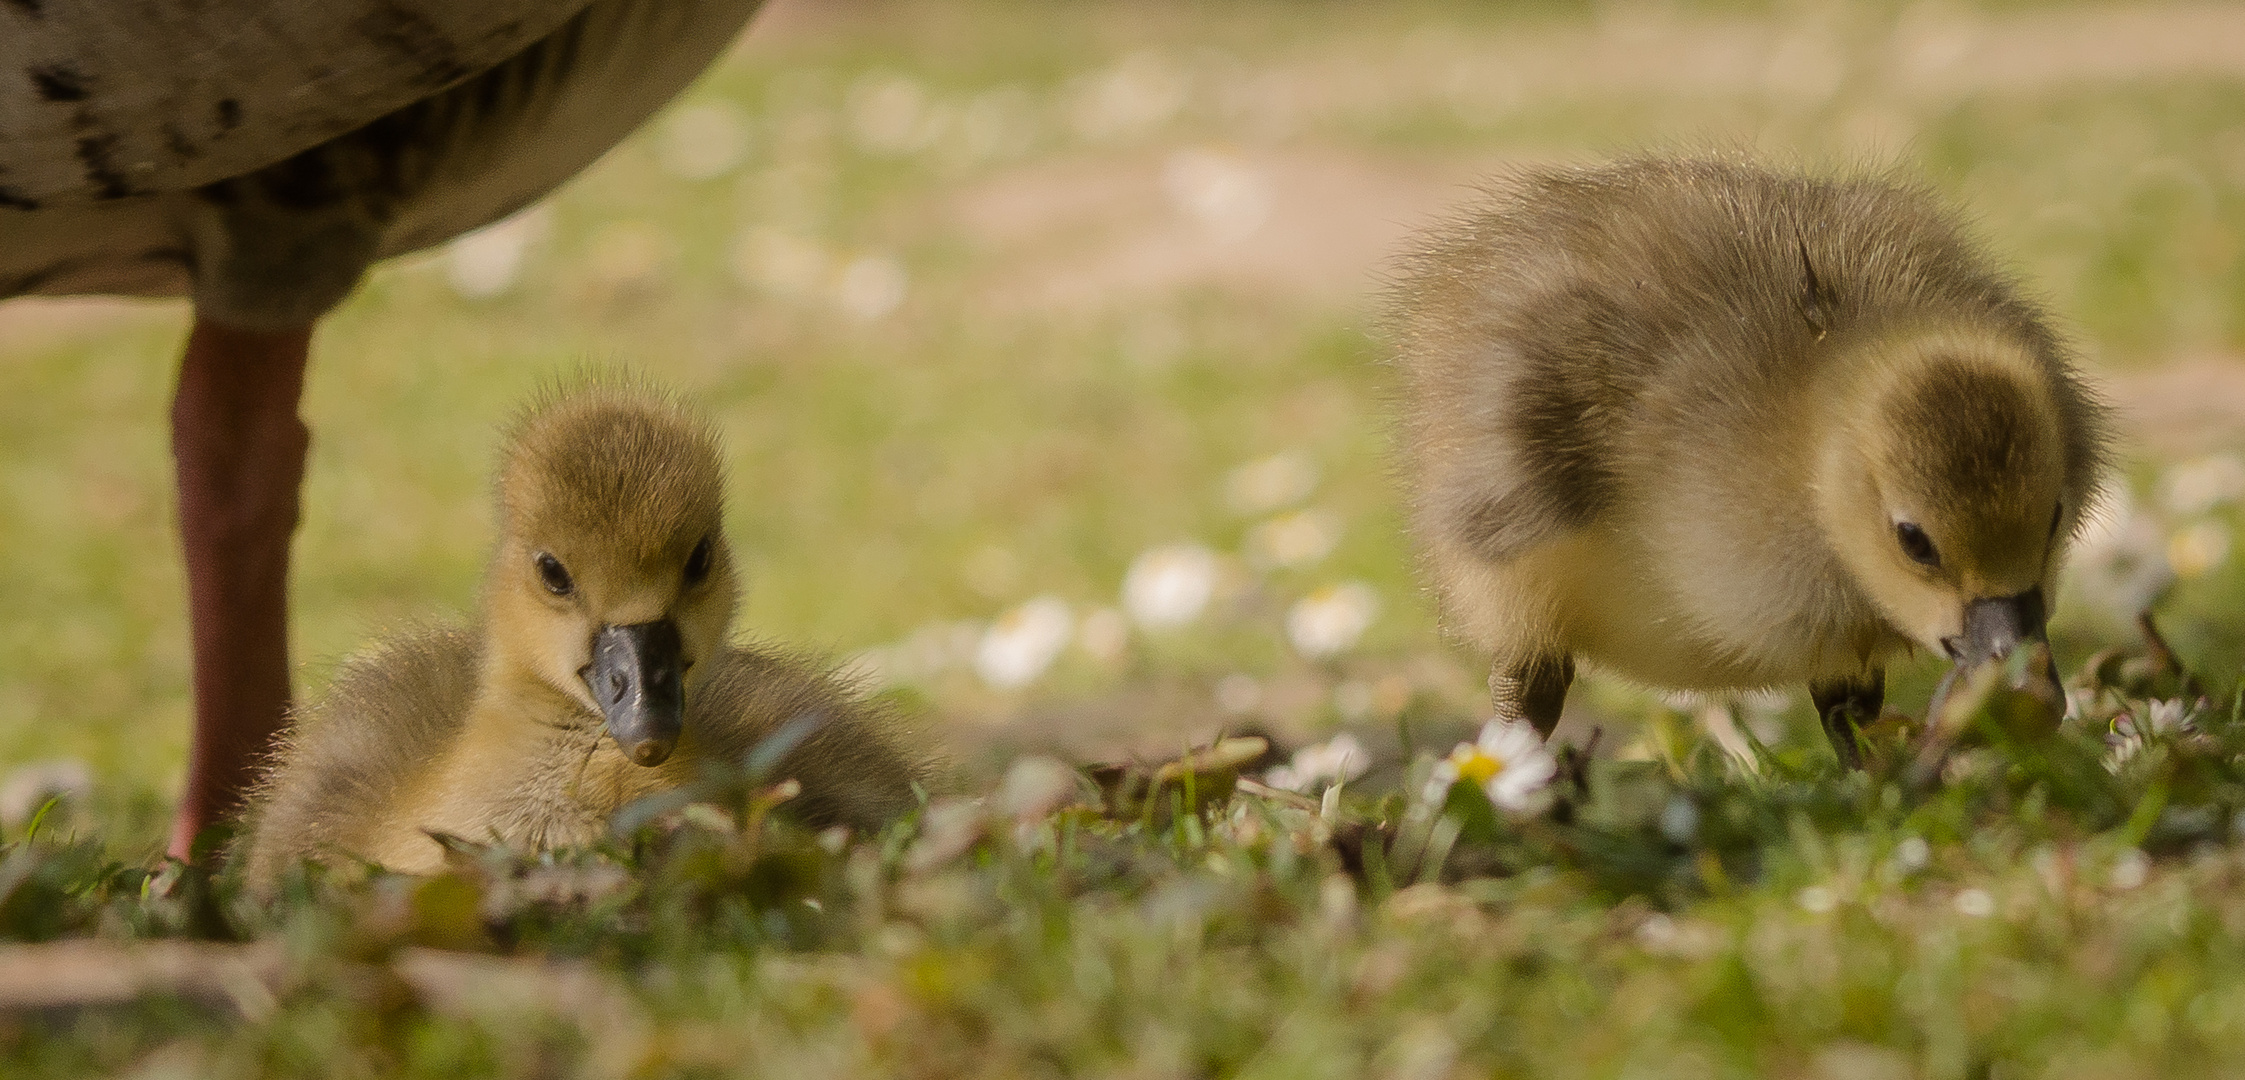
<point>634,674</point>
<point>1996,626</point>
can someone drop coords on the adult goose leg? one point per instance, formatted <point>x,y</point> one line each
<point>238,448</point>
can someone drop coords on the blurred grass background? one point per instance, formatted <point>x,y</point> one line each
<point>990,298</point>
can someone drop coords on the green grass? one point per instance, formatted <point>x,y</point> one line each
<point>1041,408</point>
<point>2044,909</point>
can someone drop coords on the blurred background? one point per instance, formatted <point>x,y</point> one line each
<point>1043,339</point>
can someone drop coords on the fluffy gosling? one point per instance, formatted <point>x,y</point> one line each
<point>600,673</point>
<point>1716,427</point>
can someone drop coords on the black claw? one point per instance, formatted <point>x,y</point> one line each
<point>1574,770</point>
<point>1839,727</point>
<point>1842,705</point>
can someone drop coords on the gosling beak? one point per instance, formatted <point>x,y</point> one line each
<point>637,676</point>
<point>1995,626</point>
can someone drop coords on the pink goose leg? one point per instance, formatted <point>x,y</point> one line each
<point>238,448</point>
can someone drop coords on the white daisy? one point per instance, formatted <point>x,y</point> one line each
<point>1329,621</point>
<point>925,654</point>
<point>1298,540</point>
<point>1168,586</point>
<point>1509,762</point>
<point>2204,485</point>
<point>2121,750</point>
<point>2199,548</point>
<point>1271,483</point>
<point>780,263</point>
<point>1139,93</point>
<point>486,263</point>
<point>870,286</point>
<point>2131,732</point>
<point>2171,716</point>
<point>2159,718</point>
<point>1024,642</point>
<point>889,114</point>
<point>1338,761</point>
<point>1220,192</point>
<point>703,141</point>
<point>2118,565</point>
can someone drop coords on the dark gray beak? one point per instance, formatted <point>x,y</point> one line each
<point>637,675</point>
<point>1995,626</point>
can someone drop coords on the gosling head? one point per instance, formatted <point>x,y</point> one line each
<point>612,580</point>
<point>1955,468</point>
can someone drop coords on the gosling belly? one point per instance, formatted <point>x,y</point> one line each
<point>554,791</point>
<point>405,843</point>
<point>1650,632</point>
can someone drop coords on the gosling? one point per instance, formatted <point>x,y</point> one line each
<point>1714,427</point>
<point>600,673</point>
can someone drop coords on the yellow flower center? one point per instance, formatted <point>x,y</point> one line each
<point>1476,764</point>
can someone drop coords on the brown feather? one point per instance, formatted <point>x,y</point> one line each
<point>488,734</point>
<point>1621,385</point>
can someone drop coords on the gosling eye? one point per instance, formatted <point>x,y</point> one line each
<point>555,576</point>
<point>1916,544</point>
<point>697,564</point>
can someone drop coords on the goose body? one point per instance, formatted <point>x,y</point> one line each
<point>385,757</point>
<point>598,675</point>
<point>257,157</point>
<point>1716,427</point>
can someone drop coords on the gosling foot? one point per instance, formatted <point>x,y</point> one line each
<point>1844,706</point>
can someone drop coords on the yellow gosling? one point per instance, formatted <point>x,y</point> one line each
<point>1715,427</point>
<point>600,672</point>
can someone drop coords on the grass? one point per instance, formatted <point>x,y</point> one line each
<point>2051,907</point>
<point>1082,354</point>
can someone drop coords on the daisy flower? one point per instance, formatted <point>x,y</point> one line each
<point>1328,622</point>
<point>1508,762</point>
<point>1273,483</point>
<point>2131,732</point>
<point>1341,760</point>
<point>1298,540</point>
<point>1018,648</point>
<point>1169,586</point>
